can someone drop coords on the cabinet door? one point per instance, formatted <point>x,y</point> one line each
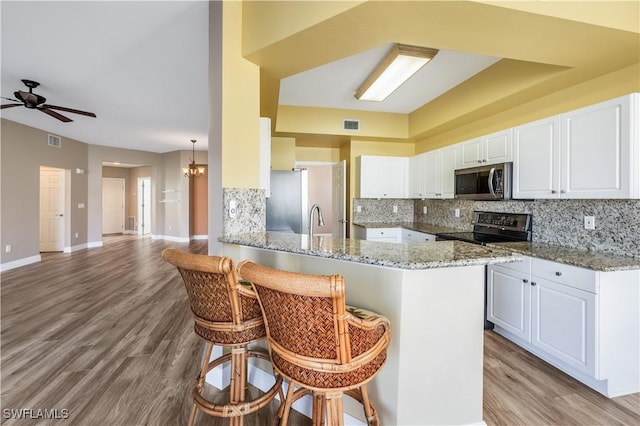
<point>508,300</point>
<point>536,151</point>
<point>596,151</point>
<point>394,175</point>
<point>563,323</point>
<point>433,185</point>
<point>417,176</point>
<point>471,153</point>
<point>448,165</point>
<point>370,177</point>
<point>498,148</point>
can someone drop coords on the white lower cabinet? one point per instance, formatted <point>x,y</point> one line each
<point>409,236</point>
<point>584,322</point>
<point>386,235</point>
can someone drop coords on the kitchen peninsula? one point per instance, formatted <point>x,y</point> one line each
<point>433,295</point>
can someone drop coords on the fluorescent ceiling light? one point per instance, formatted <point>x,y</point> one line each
<point>397,67</point>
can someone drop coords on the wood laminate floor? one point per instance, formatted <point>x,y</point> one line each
<point>105,337</point>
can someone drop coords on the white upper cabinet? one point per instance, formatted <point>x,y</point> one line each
<point>417,176</point>
<point>384,177</point>
<point>436,178</point>
<point>490,149</point>
<point>589,153</point>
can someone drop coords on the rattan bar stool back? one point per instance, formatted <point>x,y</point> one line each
<point>225,313</point>
<point>317,342</point>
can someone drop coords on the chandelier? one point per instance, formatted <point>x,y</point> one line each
<point>193,170</point>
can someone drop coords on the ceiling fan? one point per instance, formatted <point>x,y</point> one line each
<point>33,101</point>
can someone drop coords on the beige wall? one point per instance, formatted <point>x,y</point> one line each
<point>283,153</point>
<point>24,150</point>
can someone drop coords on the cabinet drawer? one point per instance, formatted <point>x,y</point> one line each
<point>523,266</point>
<point>573,276</point>
<point>383,233</point>
<point>409,236</point>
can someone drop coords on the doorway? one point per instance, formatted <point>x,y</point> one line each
<point>144,205</point>
<point>113,200</point>
<point>52,209</point>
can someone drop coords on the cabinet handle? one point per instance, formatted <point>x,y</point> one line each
<point>532,283</point>
<point>553,191</point>
<point>479,161</point>
<point>558,274</point>
<point>525,281</point>
<point>484,161</point>
<point>562,191</point>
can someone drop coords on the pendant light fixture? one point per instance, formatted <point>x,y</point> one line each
<point>193,170</point>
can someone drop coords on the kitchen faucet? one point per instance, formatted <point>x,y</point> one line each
<point>320,219</point>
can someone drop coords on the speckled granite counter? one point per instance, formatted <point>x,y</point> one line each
<point>440,254</point>
<point>414,226</point>
<point>571,256</point>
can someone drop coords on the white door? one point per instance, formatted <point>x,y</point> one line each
<point>144,205</point>
<point>508,301</point>
<point>112,205</point>
<point>339,198</point>
<point>563,323</point>
<point>52,209</point>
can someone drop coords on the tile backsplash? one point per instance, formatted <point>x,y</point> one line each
<point>554,221</point>
<point>251,212</point>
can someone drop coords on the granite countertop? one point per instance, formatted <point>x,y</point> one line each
<point>572,256</point>
<point>429,255</point>
<point>413,226</point>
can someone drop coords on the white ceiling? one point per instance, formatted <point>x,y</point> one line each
<point>142,68</point>
<point>334,85</point>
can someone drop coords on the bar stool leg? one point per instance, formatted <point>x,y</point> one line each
<point>369,411</point>
<point>317,414</point>
<point>200,381</point>
<point>335,411</point>
<point>238,381</point>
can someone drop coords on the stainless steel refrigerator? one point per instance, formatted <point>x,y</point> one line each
<point>288,202</point>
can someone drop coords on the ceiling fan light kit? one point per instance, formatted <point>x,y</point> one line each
<point>193,170</point>
<point>31,100</point>
<point>398,66</point>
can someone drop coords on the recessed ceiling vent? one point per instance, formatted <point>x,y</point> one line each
<point>350,124</point>
<point>55,141</point>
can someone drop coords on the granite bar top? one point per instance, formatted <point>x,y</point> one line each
<point>413,226</point>
<point>441,254</point>
<point>572,256</point>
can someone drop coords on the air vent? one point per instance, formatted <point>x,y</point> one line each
<point>349,124</point>
<point>55,141</point>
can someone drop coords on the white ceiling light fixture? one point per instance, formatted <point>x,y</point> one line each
<point>194,170</point>
<point>398,66</point>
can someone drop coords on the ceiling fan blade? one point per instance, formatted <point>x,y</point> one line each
<point>75,111</point>
<point>10,99</point>
<point>9,106</point>
<point>56,115</point>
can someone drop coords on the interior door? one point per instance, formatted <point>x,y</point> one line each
<point>339,195</point>
<point>52,209</point>
<point>112,205</point>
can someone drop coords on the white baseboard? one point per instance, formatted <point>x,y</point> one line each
<point>20,262</point>
<point>199,237</point>
<point>170,238</point>
<point>130,231</point>
<point>263,380</point>
<point>76,248</point>
<point>94,244</point>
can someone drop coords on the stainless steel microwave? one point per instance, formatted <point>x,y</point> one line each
<point>491,182</point>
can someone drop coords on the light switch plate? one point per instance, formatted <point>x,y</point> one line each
<point>457,212</point>
<point>232,209</point>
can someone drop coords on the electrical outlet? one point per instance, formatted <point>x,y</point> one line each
<point>7,248</point>
<point>589,222</point>
<point>358,209</point>
<point>457,212</point>
<point>424,210</point>
<point>395,209</point>
<point>76,235</point>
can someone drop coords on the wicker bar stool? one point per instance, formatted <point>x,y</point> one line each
<point>317,342</point>
<point>225,313</point>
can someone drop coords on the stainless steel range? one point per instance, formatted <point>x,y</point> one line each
<point>493,227</point>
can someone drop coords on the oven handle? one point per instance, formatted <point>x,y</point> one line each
<point>491,173</point>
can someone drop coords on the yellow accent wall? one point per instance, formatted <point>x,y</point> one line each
<point>240,106</point>
<point>283,153</point>
<point>325,155</point>
<point>328,121</point>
